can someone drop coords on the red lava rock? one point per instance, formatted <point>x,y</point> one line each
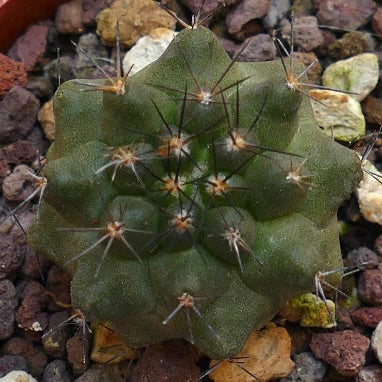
<point>69,18</point>
<point>259,48</point>
<point>307,35</point>
<point>367,316</point>
<point>78,352</point>
<point>344,350</point>
<point>372,107</point>
<point>172,361</point>
<point>29,315</point>
<point>370,286</point>
<point>376,21</point>
<point>11,256</point>
<point>58,283</point>
<point>32,288</point>
<point>18,114</point>
<point>18,186</point>
<point>244,12</point>
<point>91,8</point>
<point>11,73</point>
<point>35,357</point>
<point>30,47</point>
<point>8,305</point>
<point>19,152</point>
<point>345,14</point>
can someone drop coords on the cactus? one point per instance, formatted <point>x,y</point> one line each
<point>192,199</point>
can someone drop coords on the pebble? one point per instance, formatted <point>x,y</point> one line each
<point>11,73</point>
<point>376,341</point>
<point>372,108</point>
<point>35,357</point>
<point>54,343</point>
<point>58,282</point>
<point>18,376</point>
<point>137,18</point>
<point>18,185</point>
<point>46,118</point>
<point>307,35</point>
<point>18,112</point>
<point>378,245</point>
<point>244,12</point>
<point>358,74</point>
<point>266,355</point>
<point>351,44</point>
<point>340,112</point>
<point>69,18</point>
<point>345,14</point>
<point>8,304</point>
<point>147,49</point>
<point>209,6</point>
<point>30,316</point>
<point>344,350</point>
<point>307,369</point>
<point>277,11</point>
<point>30,47</point>
<point>12,362</point>
<point>306,58</point>
<point>370,286</point>
<point>172,361</point>
<point>368,316</point>
<point>83,67</point>
<point>91,8</point>
<point>11,256</point>
<point>372,373</point>
<point>376,22</point>
<point>362,258</point>
<point>34,265</point>
<point>66,70</point>
<point>259,48</point>
<point>20,152</point>
<point>40,86</point>
<point>77,348</point>
<point>56,371</point>
<point>369,194</point>
<point>96,373</point>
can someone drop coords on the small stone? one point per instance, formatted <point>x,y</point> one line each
<point>307,35</point>
<point>18,376</point>
<point>56,371</point>
<point>338,113</point>
<point>35,357</point>
<point>302,7</point>
<point>307,58</point>
<point>83,65</point>
<point>77,348</point>
<point>362,258</point>
<point>18,112</point>
<point>378,245</point>
<point>40,86</point>
<point>37,139</point>
<point>345,14</point>
<point>20,152</point>
<point>66,71</point>
<point>209,6</point>
<point>19,185</point>
<point>54,339</point>
<point>11,256</point>
<point>91,8</point>
<point>259,48</point>
<point>12,362</point>
<point>372,373</point>
<point>11,73</point>
<point>358,74</point>
<point>376,22</point>
<point>171,361</point>
<point>344,350</point>
<point>370,286</point>
<point>369,194</point>
<point>58,282</point>
<point>34,265</point>
<point>147,49</point>
<point>69,18</point>
<point>29,315</point>
<point>368,317</point>
<point>266,355</point>
<point>8,305</point>
<point>46,119</point>
<point>277,10</point>
<point>351,44</point>
<point>137,18</point>
<point>229,46</point>
<point>372,107</point>
<point>30,47</point>
<point>244,12</point>
<point>96,373</point>
<point>307,369</point>
<point>376,341</point>
<point>5,169</point>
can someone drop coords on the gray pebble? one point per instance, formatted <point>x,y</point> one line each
<point>56,371</point>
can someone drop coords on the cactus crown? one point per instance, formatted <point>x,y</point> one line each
<point>195,200</point>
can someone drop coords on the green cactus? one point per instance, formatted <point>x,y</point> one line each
<point>192,199</point>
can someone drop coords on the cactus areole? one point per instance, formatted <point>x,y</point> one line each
<point>193,200</point>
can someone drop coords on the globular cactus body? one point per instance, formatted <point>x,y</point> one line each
<point>194,204</point>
